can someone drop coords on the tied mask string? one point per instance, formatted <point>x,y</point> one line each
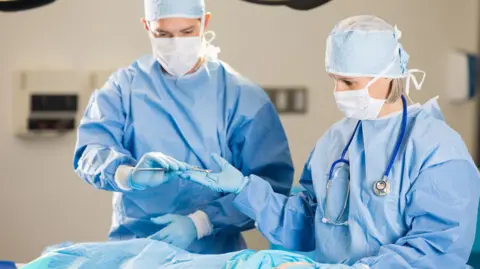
<point>410,73</point>
<point>211,51</point>
<point>398,33</point>
<point>411,78</point>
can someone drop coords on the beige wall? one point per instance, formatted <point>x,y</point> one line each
<point>41,200</point>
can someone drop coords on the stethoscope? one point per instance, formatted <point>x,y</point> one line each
<point>381,187</point>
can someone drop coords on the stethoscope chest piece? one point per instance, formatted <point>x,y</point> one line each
<point>382,187</point>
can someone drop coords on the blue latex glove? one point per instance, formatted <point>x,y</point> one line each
<point>180,230</point>
<point>228,180</point>
<point>141,180</point>
<point>160,160</point>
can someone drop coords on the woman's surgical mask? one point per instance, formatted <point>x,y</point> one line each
<point>358,104</point>
<point>178,55</point>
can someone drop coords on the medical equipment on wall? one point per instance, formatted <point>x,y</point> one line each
<point>45,103</point>
<point>380,187</point>
<point>461,76</point>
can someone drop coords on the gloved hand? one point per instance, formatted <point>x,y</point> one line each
<point>180,230</point>
<point>160,160</point>
<point>141,180</point>
<point>228,180</point>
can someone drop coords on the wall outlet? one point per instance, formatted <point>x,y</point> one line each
<point>288,100</point>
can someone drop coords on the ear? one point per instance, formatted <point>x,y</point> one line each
<point>145,24</point>
<point>208,15</point>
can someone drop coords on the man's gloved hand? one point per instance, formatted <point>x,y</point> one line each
<point>140,179</point>
<point>160,160</point>
<point>180,230</point>
<point>228,180</point>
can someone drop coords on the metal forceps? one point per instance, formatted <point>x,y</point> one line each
<point>194,168</point>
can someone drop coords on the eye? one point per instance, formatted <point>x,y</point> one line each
<point>187,32</point>
<point>160,33</point>
<point>348,83</point>
<point>165,35</point>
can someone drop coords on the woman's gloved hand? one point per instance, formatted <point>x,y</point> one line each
<point>228,180</point>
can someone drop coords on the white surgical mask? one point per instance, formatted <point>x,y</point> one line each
<point>358,104</point>
<point>178,55</point>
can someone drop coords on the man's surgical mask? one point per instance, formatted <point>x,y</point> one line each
<point>178,55</point>
<point>358,104</point>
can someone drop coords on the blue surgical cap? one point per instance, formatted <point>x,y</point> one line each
<point>365,46</point>
<point>160,9</point>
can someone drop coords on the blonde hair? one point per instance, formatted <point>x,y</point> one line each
<point>397,89</point>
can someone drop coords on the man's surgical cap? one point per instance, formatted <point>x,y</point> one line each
<point>160,9</point>
<point>365,46</point>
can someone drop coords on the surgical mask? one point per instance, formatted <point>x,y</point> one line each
<point>358,104</point>
<point>178,55</point>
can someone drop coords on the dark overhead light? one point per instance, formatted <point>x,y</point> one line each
<point>19,5</point>
<point>295,4</point>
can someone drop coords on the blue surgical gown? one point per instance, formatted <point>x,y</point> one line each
<point>427,221</point>
<point>214,110</point>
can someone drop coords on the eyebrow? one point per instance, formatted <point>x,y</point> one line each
<point>188,29</point>
<point>345,78</point>
<point>167,32</point>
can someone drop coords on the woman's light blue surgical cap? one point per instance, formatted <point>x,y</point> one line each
<point>366,46</point>
<point>161,9</point>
